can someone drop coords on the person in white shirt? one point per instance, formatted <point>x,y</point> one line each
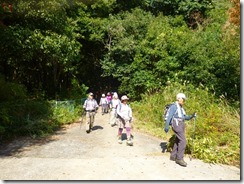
<point>124,114</point>
<point>104,104</point>
<point>113,114</point>
<point>90,106</point>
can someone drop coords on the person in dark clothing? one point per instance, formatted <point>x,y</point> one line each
<point>176,119</point>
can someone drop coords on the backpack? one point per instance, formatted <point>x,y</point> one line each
<point>166,111</point>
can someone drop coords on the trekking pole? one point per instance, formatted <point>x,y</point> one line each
<point>194,127</point>
<point>82,117</point>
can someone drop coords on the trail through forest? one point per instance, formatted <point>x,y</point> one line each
<point>72,154</point>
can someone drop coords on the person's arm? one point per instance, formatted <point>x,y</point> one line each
<point>172,111</point>
<point>189,117</point>
<point>118,110</point>
<point>84,106</point>
<point>130,113</point>
<point>96,105</point>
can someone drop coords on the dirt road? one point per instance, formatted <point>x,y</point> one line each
<point>72,154</point>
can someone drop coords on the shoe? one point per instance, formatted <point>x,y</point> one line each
<point>129,142</point>
<point>88,131</point>
<point>172,158</point>
<point>181,162</point>
<point>119,140</point>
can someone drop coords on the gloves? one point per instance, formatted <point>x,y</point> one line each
<point>194,115</point>
<point>166,129</point>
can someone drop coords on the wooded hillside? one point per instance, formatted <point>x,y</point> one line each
<point>53,47</point>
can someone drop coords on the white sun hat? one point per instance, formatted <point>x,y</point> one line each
<point>124,97</point>
<point>180,95</point>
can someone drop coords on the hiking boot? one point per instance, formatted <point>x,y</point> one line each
<point>120,140</point>
<point>129,142</point>
<point>181,162</point>
<point>173,158</point>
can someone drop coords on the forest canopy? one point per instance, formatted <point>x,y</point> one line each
<point>53,47</point>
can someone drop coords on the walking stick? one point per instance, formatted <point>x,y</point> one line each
<point>82,117</point>
<point>194,127</point>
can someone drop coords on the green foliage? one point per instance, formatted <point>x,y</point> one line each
<point>11,91</point>
<point>40,44</point>
<point>36,118</point>
<point>194,12</point>
<point>66,112</point>
<point>213,137</point>
<point>166,49</point>
<point>54,49</point>
<point>46,44</point>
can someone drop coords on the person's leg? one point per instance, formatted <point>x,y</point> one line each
<point>112,117</point>
<point>181,145</point>
<point>128,133</point>
<point>92,118</point>
<point>87,122</point>
<point>175,149</point>
<point>120,130</point>
<point>103,109</point>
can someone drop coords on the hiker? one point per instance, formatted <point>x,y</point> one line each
<point>176,119</point>
<point>104,104</point>
<point>113,114</point>
<point>124,113</point>
<point>109,98</point>
<point>90,106</point>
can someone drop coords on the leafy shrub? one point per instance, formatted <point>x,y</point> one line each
<point>34,118</point>
<point>214,136</point>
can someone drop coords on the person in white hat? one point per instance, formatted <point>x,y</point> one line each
<point>124,113</point>
<point>90,106</point>
<point>104,104</point>
<point>176,119</point>
<point>113,114</point>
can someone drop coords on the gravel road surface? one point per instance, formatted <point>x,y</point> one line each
<point>72,154</point>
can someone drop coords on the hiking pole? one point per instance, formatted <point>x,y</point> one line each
<point>194,127</point>
<point>82,117</point>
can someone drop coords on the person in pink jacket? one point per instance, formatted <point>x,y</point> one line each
<point>109,98</point>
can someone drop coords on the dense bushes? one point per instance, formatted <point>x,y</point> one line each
<point>215,137</point>
<point>20,116</point>
<point>35,118</point>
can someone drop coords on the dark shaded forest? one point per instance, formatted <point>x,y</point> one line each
<point>56,48</point>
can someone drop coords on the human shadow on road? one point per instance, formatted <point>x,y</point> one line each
<point>97,127</point>
<point>163,146</point>
<point>168,146</point>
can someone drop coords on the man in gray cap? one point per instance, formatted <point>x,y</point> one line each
<point>90,106</point>
<point>176,119</point>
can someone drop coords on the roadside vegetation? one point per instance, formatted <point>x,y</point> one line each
<point>213,137</point>
<point>52,53</point>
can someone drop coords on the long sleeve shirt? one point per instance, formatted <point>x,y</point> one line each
<point>90,104</point>
<point>124,111</point>
<point>103,101</point>
<point>115,103</point>
<point>177,111</point>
